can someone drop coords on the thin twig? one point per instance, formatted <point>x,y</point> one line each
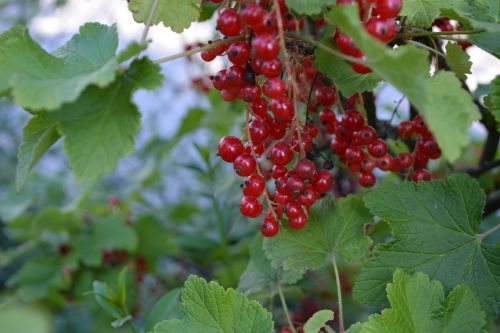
<point>444,33</point>
<point>199,49</point>
<point>423,46</point>
<point>149,21</point>
<point>285,309</point>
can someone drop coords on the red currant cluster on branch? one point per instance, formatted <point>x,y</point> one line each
<point>274,77</point>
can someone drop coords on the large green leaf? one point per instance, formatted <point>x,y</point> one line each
<point>407,69</point>
<point>345,78</point>
<point>419,306</point>
<point>332,228</point>
<point>309,7</point>
<point>458,60</point>
<point>42,81</point>
<point>421,13</point>
<point>176,14</point>
<point>493,100</point>
<point>318,321</point>
<point>208,308</point>
<point>259,273</point>
<point>435,227</point>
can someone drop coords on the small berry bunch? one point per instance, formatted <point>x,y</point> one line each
<point>379,17</point>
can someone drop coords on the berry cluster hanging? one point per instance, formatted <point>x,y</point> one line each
<point>275,76</point>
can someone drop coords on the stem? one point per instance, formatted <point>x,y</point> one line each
<point>445,33</point>
<point>326,48</point>
<point>149,21</point>
<point>285,309</point>
<point>289,73</point>
<point>266,193</point>
<point>339,295</point>
<point>489,232</point>
<point>423,46</point>
<point>198,49</point>
<point>131,327</point>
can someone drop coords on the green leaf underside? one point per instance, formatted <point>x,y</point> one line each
<point>434,226</point>
<point>418,305</point>
<point>447,108</point>
<point>346,79</point>
<point>42,81</point>
<point>208,308</point>
<point>318,321</point>
<point>309,7</point>
<point>175,14</point>
<point>458,60</point>
<point>259,273</point>
<point>331,229</point>
<point>493,100</point>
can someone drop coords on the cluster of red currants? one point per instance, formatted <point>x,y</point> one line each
<point>379,18</point>
<point>445,24</point>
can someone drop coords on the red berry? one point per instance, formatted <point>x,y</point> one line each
<point>385,163</point>
<point>431,149</point>
<point>272,68</point>
<point>338,147</point>
<point>325,96</point>
<point>259,107</point>
<point>322,182</point>
<point>366,135</point>
<point>382,29</point>
<point>377,148</point>
<point>251,14</point>
<point>404,160</point>
<point>421,175</point>
<point>309,196</point>
<point>245,165</point>
<point>281,154</point>
<point>239,53</point>
<point>327,116</point>
<point>235,77</point>
<point>274,88</point>
<point>282,108</point>
<point>279,171</point>
<point>251,94</point>
<point>368,165</point>
<point>293,209</point>
<point>254,186</point>
<point>354,154</point>
<point>230,148</point>
<point>420,125</point>
<point>359,68</point>
<point>406,129</point>
<point>250,207</point>
<point>347,46</point>
<point>388,8</point>
<point>259,131</point>
<point>295,184</point>
<point>282,198</point>
<point>298,222</point>
<point>367,179</point>
<point>269,227</point>
<point>421,160</point>
<point>266,46</point>
<point>353,120</point>
<point>305,168</point>
<point>229,23</point>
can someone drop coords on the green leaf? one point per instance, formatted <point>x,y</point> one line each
<point>419,306</point>
<point>338,228</point>
<point>421,13</point>
<point>144,73</point>
<point>309,7</point>
<point>176,14</point>
<point>407,69</point>
<point>42,81</point>
<point>208,308</point>
<point>435,228</point>
<point>458,60</point>
<point>38,136</point>
<point>107,299</point>
<point>259,273</point>
<point>318,321</point>
<point>492,101</point>
<point>164,309</point>
<point>21,318</point>
<point>122,287</point>
<point>346,79</point>
<point>121,321</point>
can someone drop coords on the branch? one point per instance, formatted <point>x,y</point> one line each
<point>483,168</point>
<point>371,109</point>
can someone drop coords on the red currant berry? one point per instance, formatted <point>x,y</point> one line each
<point>259,107</point>
<point>388,8</point>
<point>421,175</point>
<point>293,209</point>
<point>282,198</point>
<point>239,53</point>
<point>404,160</point>
<point>282,108</point>
<point>354,154</point>
<point>353,120</point>
<point>274,88</point>
<point>406,129</point>
<point>366,135</point>
<point>298,222</point>
<point>272,68</point>
<point>266,46</point>
<point>230,148</point>
<point>322,181</point>
<point>254,186</point>
<point>295,184</point>
<point>305,169</point>
<point>368,165</point>
<point>382,29</point>
<point>367,179</point>
<point>251,94</point>
<point>420,125</point>
<point>325,96</point>
<point>252,14</point>
<point>250,207</point>
<point>421,160</point>
<point>378,148</point>
<point>259,131</point>
<point>229,23</point>
<point>269,227</point>
<point>338,147</point>
<point>281,154</point>
<point>359,68</point>
<point>327,116</point>
<point>279,171</point>
<point>385,163</point>
<point>309,196</point>
<point>245,165</point>
<point>347,46</point>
